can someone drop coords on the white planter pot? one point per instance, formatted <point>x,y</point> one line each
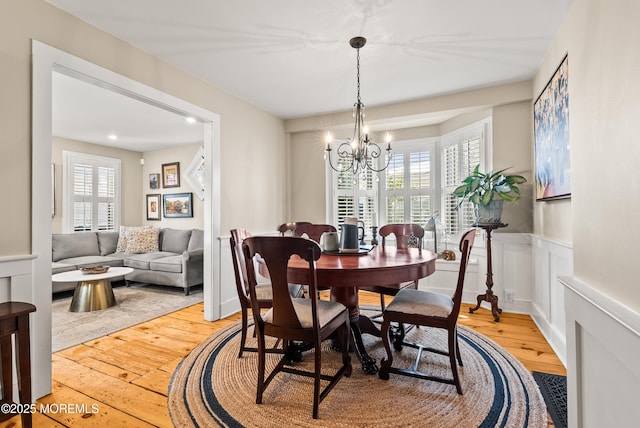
<point>490,214</point>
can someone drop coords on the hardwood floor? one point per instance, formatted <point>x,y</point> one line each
<point>122,379</point>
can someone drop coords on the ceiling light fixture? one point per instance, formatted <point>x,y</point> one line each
<point>191,120</point>
<point>359,153</point>
<point>113,137</point>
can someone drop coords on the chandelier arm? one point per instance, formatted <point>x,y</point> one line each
<point>343,152</point>
<point>376,152</point>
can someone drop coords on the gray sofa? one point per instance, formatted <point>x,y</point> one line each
<point>178,263</point>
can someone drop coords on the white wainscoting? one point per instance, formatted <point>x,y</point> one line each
<point>229,302</point>
<point>17,284</point>
<point>603,344</point>
<point>511,266</point>
<point>551,259</point>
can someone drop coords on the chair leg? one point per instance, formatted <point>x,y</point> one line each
<point>458,349</point>
<point>316,381</point>
<point>385,363</point>
<point>261,367</point>
<point>382,306</point>
<point>243,333</point>
<point>453,341</point>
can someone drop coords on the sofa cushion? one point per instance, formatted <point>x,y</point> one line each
<point>143,261</point>
<point>143,241</point>
<point>167,264</point>
<point>69,245</point>
<point>57,267</point>
<point>123,237</point>
<point>93,260</point>
<point>197,240</point>
<point>107,242</point>
<point>174,240</point>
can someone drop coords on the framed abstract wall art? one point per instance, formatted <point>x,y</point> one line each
<point>552,144</point>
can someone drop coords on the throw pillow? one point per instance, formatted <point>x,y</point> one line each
<point>142,241</point>
<point>123,237</point>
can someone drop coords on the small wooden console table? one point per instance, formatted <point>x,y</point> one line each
<point>488,296</point>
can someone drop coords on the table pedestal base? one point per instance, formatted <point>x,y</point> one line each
<point>92,295</point>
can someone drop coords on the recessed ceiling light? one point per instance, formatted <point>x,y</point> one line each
<point>113,137</point>
<point>191,120</point>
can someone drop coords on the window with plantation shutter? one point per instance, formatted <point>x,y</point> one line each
<point>353,196</point>
<point>91,192</point>
<point>461,152</point>
<point>409,191</point>
<point>418,182</point>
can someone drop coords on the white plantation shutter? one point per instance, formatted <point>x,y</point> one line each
<point>409,189</point>
<point>461,152</point>
<point>91,192</point>
<point>353,196</point>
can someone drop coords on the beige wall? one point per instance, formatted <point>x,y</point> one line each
<point>601,39</point>
<point>258,148</point>
<point>130,169</point>
<point>153,165</point>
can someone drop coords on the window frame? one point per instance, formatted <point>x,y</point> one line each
<point>69,160</point>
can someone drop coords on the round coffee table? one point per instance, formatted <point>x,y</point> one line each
<point>93,292</point>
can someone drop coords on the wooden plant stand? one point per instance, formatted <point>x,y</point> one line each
<point>488,296</point>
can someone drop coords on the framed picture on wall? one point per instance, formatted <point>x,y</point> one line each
<point>154,181</point>
<point>551,127</point>
<point>171,175</point>
<point>178,205</point>
<point>153,207</point>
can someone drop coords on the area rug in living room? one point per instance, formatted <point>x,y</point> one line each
<point>213,387</point>
<point>135,304</point>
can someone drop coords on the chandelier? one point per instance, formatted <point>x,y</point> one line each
<point>359,153</point>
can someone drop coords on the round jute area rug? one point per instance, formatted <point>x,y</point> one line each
<point>213,387</point>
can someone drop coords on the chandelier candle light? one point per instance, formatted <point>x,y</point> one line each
<point>359,153</point>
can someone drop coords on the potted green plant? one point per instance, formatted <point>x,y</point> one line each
<point>487,192</point>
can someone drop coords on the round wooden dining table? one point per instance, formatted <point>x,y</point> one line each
<point>345,273</point>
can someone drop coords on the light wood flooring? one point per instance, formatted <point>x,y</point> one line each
<point>125,375</point>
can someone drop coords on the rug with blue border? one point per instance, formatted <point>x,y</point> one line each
<point>213,387</point>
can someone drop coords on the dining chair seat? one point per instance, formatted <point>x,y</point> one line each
<point>327,311</point>
<point>418,302</point>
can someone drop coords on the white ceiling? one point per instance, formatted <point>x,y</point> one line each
<point>293,59</point>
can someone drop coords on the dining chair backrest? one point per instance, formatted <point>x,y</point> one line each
<point>286,229</point>
<point>275,252</point>
<point>239,265</point>
<point>313,231</point>
<point>466,243</point>
<point>407,234</point>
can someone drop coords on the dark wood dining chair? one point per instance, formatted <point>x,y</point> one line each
<point>286,229</point>
<point>426,308</point>
<point>313,230</point>
<point>309,321</point>
<point>407,236</point>
<point>262,290</point>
